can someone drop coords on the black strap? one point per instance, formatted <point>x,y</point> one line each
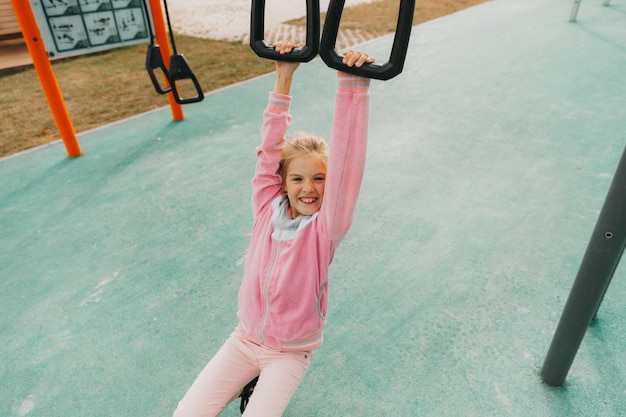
<point>169,27</point>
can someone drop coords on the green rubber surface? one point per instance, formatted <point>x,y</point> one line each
<point>489,160</point>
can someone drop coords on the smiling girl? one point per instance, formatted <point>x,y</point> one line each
<point>304,196</point>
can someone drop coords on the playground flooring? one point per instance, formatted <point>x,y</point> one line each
<point>489,160</point>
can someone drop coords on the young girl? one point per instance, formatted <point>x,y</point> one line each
<point>303,201</point>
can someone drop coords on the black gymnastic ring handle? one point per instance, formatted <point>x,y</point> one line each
<point>264,50</point>
<point>179,71</point>
<point>377,71</point>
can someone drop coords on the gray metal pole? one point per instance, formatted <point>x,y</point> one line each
<point>602,257</point>
<point>574,13</point>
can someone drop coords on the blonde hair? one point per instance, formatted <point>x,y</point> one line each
<point>300,145</point>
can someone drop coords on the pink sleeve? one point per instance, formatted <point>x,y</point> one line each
<point>266,184</point>
<point>346,162</point>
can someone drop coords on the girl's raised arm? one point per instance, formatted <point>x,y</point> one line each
<point>266,185</point>
<point>284,70</point>
<point>348,145</point>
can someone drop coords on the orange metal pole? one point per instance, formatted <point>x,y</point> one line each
<point>38,53</point>
<point>162,41</point>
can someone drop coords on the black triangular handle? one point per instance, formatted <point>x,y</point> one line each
<point>399,49</point>
<point>180,70</point>
<point>154,62</point>
<point>264,50</point>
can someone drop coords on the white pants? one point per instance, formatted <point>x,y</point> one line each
<point>237,362</point>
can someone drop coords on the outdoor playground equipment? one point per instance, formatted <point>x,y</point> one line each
<point>601,259</point>
<point>179,70</point>
<point>326,47</point>
<point>264,50</point>
<point>399,49</point>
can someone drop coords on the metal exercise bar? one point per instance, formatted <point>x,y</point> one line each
<point>575,7</point>
<point>601,259</point>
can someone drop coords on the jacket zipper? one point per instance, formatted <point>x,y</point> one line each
<point>266,289</point>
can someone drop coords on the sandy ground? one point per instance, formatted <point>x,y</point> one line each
<point>230,19</point>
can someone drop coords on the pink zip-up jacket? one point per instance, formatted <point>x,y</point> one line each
<point>284,294</point>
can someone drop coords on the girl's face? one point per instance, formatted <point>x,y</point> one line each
<point>304,185</point>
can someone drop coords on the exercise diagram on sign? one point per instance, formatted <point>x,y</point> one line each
<point>76,25</point>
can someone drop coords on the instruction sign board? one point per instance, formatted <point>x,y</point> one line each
<point>74,27</point>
